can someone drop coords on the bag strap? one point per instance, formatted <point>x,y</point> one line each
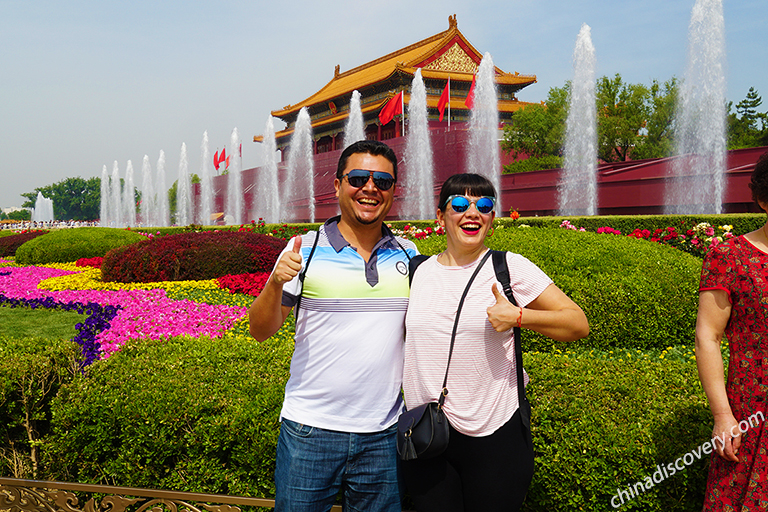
<point>444,392</point>
<point>304,272</point>
<point>502,275</point>
<point>413,264</point>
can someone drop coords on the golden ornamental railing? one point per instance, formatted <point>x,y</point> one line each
<point>41,496</point>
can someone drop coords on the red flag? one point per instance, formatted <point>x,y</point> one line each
<point>241,150</point>
<point>392,108</point>
<point>223,156</point>
<point>470,101</point>
<point>227,167</point>
<point>444,98</point>
<point>216,161</point>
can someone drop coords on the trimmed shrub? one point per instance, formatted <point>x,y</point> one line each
<point>741,222</point>
<point>600,425</point>
<point>635,293</point>
<point>534,164</point>
<point>31,373</point>
<point>10,243</point>
<point>202,415</point>
<point>198,415</point>
<point>192,256</point>
<point>67,245</point>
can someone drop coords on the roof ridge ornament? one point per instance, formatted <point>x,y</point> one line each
<point>452,23</point>
<point>336,71</point>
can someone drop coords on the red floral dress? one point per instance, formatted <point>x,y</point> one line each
<point>741,269</point>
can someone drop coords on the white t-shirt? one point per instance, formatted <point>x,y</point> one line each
<point>482,379</point>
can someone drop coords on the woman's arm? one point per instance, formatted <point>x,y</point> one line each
<point>552,314</point>
<point>713,316</point>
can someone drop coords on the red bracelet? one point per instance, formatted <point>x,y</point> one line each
<point>520,319</point>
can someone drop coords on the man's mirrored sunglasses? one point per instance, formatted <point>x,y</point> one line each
<point>358,178</point>
<point>460,204</point>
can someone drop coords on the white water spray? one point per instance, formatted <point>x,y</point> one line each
<point>354,130</point>
<point>578,186</point>
<point>698,181</point>
<point>234,182</point>
<point>419,194</point>
<point>205,203</point>
<point>483,155</point>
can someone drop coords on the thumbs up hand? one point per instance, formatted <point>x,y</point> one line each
<point>502,315</point>
<point>289,264</point>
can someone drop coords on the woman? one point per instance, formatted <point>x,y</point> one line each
<point>488,464</point>
<point>732,299</point>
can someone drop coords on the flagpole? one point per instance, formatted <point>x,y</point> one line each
<point>402,110</point>
<point>449,102</point>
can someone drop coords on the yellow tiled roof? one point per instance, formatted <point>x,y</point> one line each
<point>405,60</point>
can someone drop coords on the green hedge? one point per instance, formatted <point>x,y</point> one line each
<point>31,373</point>
<point>635,293</point>
<point>186,414</point>
<point>202,415</point>
<point>603,424</point>
<point>67,245</point>
<point>741,222</point>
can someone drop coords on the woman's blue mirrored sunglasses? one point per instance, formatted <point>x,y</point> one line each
<point>460,204</point>
<point>358,178</point>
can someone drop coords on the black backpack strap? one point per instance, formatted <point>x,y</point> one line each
<point>501,269</point>
<point>413,264</point>
<point>304,272</point>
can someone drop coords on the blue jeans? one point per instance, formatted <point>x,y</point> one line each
<point>313,464</point>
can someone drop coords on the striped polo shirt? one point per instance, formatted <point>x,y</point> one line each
<point>346,370</point>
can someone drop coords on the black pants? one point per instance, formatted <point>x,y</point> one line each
<point>474,474</point>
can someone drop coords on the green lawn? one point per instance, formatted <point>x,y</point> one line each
<point>23,322</point>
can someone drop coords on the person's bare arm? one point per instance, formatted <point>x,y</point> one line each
<point>552,314</point>
<point>714,313</point>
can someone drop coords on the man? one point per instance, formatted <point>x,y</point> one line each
<point>343,397</point>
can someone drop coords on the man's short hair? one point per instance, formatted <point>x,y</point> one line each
<point>371,147</point>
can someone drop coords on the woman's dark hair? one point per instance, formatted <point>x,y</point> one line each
<point>470,184</point>
<point>371,147</point>
<point>759,182</point>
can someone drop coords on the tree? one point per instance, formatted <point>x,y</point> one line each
<point>20,215</point>
<point>633,121</point>
<point>657,137</point>
<point>747,127</point>
<point>73,198</point>
<point>539,130</point>
<point>622,111</point>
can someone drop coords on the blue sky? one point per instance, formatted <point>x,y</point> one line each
<point>84,83</point>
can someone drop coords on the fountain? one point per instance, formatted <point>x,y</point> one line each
<point>697,183</point>
<point>205,204</point>
<point>300,169</point>
<point>355,129</point>
<point>267,205</point>
<point>161,203</point>
<point>234,213</point>
<point>147,193</point>
<point>578,187</point>
<point>483,155</point>
<point>129,197</point>
<point>43,211</point>
<point>419,193</point>
<point>116,204</point>
<point>183,192</point>
<point>104,198</point>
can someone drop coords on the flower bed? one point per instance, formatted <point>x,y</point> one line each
<point>118,312</point>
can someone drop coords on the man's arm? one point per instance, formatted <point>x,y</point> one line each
<point>267,312</point>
